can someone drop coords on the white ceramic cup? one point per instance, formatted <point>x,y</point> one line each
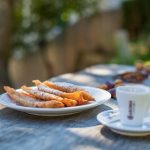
<point>134,102</point>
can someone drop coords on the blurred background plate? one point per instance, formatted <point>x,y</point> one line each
<point>109,70</point>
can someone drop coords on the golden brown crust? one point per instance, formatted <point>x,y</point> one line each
<point>69,89</point>
<point>63,88</point>
<point>49,104</point>
<point>49,95</point>
<point>26,100</point>
<point>69,102</point>
<point>40,95</point>
<point>44,88</point>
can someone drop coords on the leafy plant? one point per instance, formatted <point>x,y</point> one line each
<point>36,21</point>
<point>136,20</point>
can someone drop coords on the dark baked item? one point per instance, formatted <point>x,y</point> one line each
<point>111,86</point>
<point>134,77</point>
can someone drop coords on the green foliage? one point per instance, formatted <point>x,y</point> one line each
<point>34,19</point>
<point>136,17</point>
<point>136,14</point>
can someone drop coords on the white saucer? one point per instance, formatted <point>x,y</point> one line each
<point>101,96</point>
<point>111,119</point>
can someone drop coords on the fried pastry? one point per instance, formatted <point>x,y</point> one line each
<point>69,89</point>
<point>49,95</point>
<point>40,95</point>
<point>63,88</point>
<point>69,102</point>
<point>45,88</point>
<point>28,101</point>
<point>78,95</point>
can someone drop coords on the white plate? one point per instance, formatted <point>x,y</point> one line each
<point>115,125</point>
<point>100,96</point>
<point>109,70</point>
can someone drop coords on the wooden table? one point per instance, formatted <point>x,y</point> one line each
<point>20,131</point>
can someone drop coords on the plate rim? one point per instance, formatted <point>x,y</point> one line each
<point>56,110</point>
<point>111,126</point>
